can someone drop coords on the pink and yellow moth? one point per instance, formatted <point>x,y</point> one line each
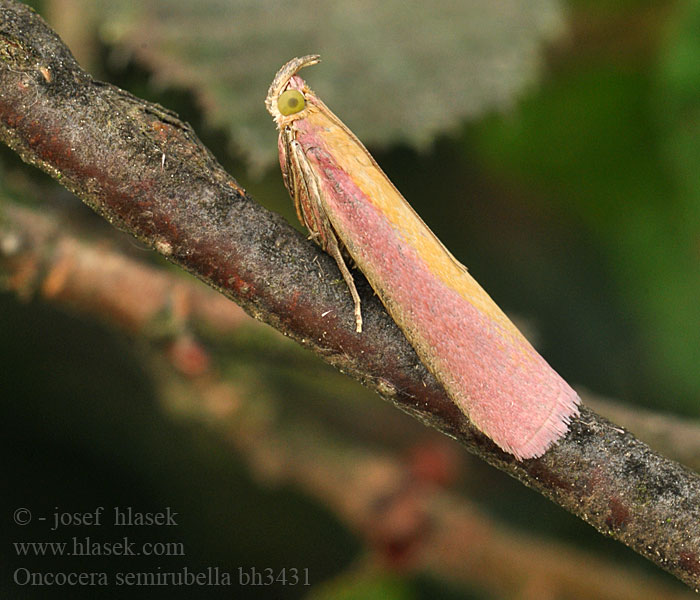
<point>348,204</point>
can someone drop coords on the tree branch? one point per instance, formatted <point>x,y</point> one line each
<point>398,506</point>
<point>401,505</point>
<point>146,172</point>
<point>38,254</point>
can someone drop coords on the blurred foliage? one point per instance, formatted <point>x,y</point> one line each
<point>435,64</point>
<point>677,295</point>
<point>366,582</point>
<point>614,142</point>
<point>375,585</point>
<point>678,100</point>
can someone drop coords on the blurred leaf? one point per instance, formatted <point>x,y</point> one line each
<point>591,144</point>
<point>678,95</point>
<point>676,293</point>
<point>610,7</point>
<point>393,72</point>
<point>364,584</point>
<point>586,140</point>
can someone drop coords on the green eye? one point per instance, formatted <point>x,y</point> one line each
<point>291,102</point>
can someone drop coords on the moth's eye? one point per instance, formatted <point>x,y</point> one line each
<point>291,102</point>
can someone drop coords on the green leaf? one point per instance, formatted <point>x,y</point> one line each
<point>393,72</point>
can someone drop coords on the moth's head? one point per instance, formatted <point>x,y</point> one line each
<point>286,98</point>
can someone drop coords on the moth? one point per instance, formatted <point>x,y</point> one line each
<point>350,207</point>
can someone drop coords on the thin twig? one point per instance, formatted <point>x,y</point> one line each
<point>407,518</point>
<point>40,256</point>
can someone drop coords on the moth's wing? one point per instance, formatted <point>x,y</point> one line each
<point>486,366</point>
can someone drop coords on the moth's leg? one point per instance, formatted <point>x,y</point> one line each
<point>318,223</point>
<point>309,210</point>
<point>334,250</point>
<point>290,175</point>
